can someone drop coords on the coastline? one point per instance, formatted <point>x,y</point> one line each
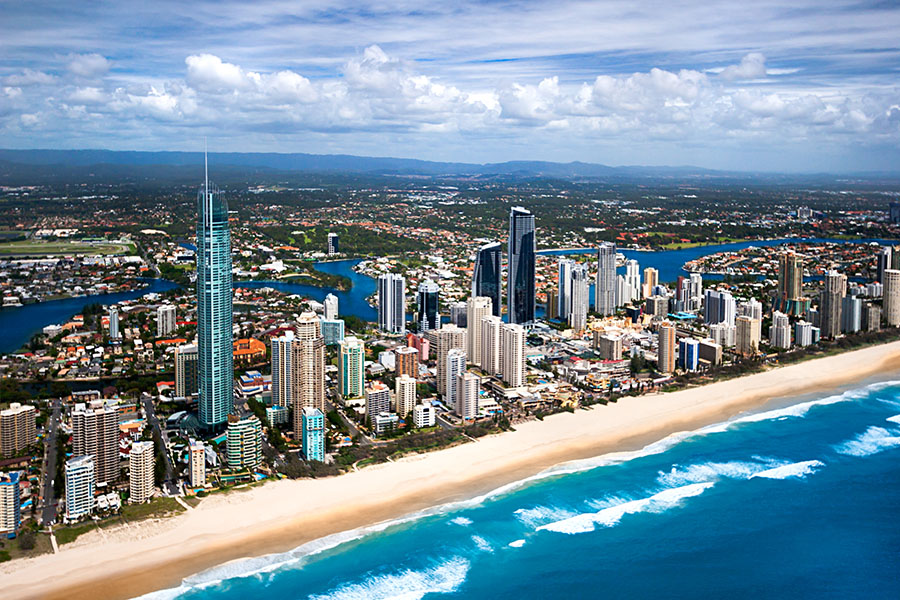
<point>282,515</point>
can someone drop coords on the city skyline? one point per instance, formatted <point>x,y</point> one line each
<point>807,88</point>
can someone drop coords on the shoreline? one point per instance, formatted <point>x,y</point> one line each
<point>283,515</point>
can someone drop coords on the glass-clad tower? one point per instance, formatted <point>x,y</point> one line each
<point>486,275</point>
<point>428,306</point>
<point>520,279</point>
<point>215,363</point>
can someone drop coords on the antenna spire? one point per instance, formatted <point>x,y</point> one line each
<point>205,167</point>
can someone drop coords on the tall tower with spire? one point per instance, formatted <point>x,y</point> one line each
<point>214,296</point>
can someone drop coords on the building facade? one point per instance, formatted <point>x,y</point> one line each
<point>95,433</point>
<point>80,487</point>
<point>392,303</point>
<point>243,443</point>
<point>313,434</point>
<point>17,428</point>
<point>520,288</point>
<point>351,368</point>
<point>605,288</point>
<point>141,472</point>
<point>486,275</point>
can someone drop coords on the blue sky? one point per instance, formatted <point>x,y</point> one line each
<point>765,85</point>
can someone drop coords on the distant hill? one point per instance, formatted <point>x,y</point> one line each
<point>16,166</point>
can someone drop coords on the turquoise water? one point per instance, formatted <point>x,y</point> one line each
<point>798,502</point>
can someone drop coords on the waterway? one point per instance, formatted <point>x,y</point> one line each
<point>17,325</point>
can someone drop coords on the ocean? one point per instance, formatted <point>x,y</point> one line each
<point>799,502</point>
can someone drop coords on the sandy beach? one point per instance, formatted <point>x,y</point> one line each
<point>282,515</point>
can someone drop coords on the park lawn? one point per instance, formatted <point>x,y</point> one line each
<point>157,507</point>
<point>685,245</point>
<point>42,545</point>
<point>70,533</point>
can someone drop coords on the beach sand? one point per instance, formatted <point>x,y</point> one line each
<point>282,515</point>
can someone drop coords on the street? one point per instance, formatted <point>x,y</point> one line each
<point>48,510</point>
<point>150,412</point>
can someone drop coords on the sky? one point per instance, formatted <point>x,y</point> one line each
<point>805,85</point>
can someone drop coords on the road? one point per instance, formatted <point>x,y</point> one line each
<point>150,411</point>
<point>355,431</point>
<point>48,511</point>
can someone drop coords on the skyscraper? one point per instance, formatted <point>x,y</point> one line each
<point>427,305</point>
<point>197,464</point>
<point>665,352</point>
<point>512,354</point>
<point>140,467</point>
<point>883,261</point>
<point>10,504</point>
<point>578,299</point>
<point>790,282</point>
<point>80,486</point>
<point>95,432</point>
<point>331,307</point>
<point>214,310</point>
<point>114,323</point>
<point>281,349</point>
<point>187,379</point>
<point>313,434</point>
<point>605,289</point>
<point>719,307</point>
<point>17,428</point>
<point>689,354</point>
<point>520,277</point>
<point>243,443</point>
<point>564,285</point>
<point>406,362</point>
<point>165,320</point>
<point>477,308</point>
<point>891,306</point>
<point>746,336</point>
<point>404,395</point>
<point>446,338</point>
<point>307,369</point>
<point>392,303</point>
<point>333,244</point>
<point>780,331</point>
<point>633,278</point>
<point>651,280</point>
<point>830,303</point>
<point>491,345</point>
<point>486,275</point>
<point>467,387</point>
<point>351,368</point>
<point>456,365</point>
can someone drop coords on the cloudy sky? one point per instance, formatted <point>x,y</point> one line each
<point>805,85</point>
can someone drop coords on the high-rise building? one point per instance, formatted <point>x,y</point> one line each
<point>689,354</point>
<point>780,331</point>
<point>334,245</point>
<point>114,333</point>
<point>243,443</point>
<point>710,352</point>
<point>406,362</point>
<point>651,280</point>
<point>331,307</point>
<point>197,464</point>
<point>552,306</point>
<point>424,416</point>
<point>851,314</point>
<point>427,306</point>
<point>332,331</point>
<point>214,309</point>
<point>10,504</point>
<point>830,302</point>
<point>564,286</point>
<point>803,334</point>
<point>512,354</point>
<point>486,276</point>
<point>520,288</point>
<point>746,336</point>
<point>467,388</point>
<point>608,346</point>
<point>871,317</point>
<point>282,352</point>
<point>491,353</point>
<point>891,303</point>
<point>307,369</point>
<point>141,473</point>
<point>894,212</point>
<point>404,395</point>
<point>458,314</point>
<point>752,308</point>
<point>883,261</point>
<point>446,338</point>
<point>723,334</point>
<point>456,364</point>
<point>657,306</point>
<point>790,280</point>
<point>579,298</point>
<point>17,428</point>
<point>719,307</point>
<point>351,368</point>
<point>165,320</point>
<point>80,486</point>
<point>378,399</point>
<point>313,434</point>
<point>633,279</point>
<point>605,288</point>
<point>665,353</point>
<point>187,376</point>
<point>392,303</point>
<point>95,432</point>
<point>477,309</point>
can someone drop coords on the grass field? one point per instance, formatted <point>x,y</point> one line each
<point>57,247</point>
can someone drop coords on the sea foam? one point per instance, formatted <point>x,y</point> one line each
<point>872,441</point>
<point>797,469</point>
<point>443,578</point>
<point>611,515</point>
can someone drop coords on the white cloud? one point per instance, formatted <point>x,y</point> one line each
<point>30,77</point>
<point>752,66</point>
<point>88,66</point>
